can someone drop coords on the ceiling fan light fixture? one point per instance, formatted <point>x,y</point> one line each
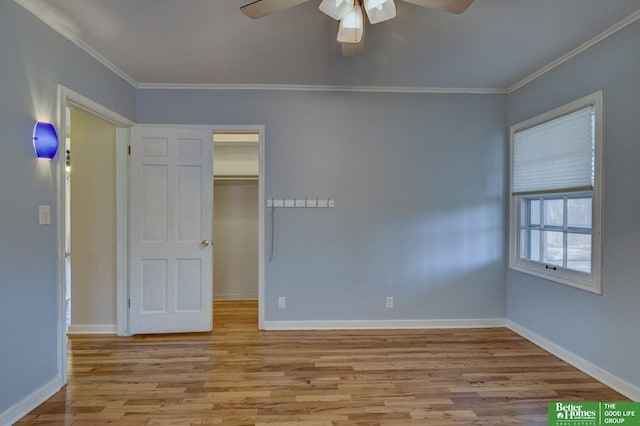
<point>370,4</point>
<point>351,27</point>
<point>380,10</point>
<point>337,9</point>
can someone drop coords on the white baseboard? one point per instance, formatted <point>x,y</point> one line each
<point>384,324</point>
<point>24,407</point>
<point>93,329</point>
<point>236,296</point>
<point>614,382</point>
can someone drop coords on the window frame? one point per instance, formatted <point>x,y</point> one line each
<point>565,229</point>
<point>589,282</point>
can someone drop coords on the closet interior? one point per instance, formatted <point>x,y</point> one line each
<point>235,215</point>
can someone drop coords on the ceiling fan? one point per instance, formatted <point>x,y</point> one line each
<point>351,13</point>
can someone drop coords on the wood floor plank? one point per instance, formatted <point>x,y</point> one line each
<point>237,375</point>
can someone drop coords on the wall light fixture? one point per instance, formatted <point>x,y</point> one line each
<point>45,140</point>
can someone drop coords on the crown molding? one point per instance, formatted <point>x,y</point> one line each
<point>620,25</point>
<point>45,13</point>
<point>326,88</point>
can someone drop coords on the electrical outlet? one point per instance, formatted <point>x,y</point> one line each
<point>389,302</point>
<point>282,302</point>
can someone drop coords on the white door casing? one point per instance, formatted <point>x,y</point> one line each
<point>70,98</point>
<point>171,282</point>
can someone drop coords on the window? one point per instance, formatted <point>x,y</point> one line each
<point>550,236</point>
<point>556,193</point>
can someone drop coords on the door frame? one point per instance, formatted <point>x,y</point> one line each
<point>70,98</point>
<point>260,129</point>
<point>124,285</point>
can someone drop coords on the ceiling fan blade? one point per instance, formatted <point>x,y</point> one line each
<point>353,49</point>
<point>453,6</point>
<point>261,8</point>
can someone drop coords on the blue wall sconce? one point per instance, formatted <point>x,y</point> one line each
<point>45,140</point>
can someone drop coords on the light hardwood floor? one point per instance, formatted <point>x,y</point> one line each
<point>240,376</point>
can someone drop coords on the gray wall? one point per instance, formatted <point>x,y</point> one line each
<point>418,181</point>
<point>419,184</point>
<point>602,329</point>
<point>34,60</point>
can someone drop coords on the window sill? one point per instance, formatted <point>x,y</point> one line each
<point>586,282</point>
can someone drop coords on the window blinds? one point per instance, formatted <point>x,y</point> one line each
<point>555,156</point>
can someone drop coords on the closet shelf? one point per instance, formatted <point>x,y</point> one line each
<point>235,144</point>
<point>234,177</point>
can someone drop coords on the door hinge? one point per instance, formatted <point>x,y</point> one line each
<point>129,150</point>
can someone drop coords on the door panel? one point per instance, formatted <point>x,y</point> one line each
<point>155,189</point>
<point>154,286</point>
<point>189,204</point>
<point>171,270</point>
<point>188,290</point>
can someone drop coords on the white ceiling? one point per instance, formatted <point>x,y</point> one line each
<point>494,44</point>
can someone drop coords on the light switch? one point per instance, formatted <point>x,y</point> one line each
<point>44,215</point>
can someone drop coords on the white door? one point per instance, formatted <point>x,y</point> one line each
<point>171,282</point>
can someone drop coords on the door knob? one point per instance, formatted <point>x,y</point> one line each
<point>204,243</point>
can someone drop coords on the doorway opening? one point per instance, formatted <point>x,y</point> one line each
<point>236,230</point>
<point>90,223</point>
<point>171,260</point>
<point>68,101</point>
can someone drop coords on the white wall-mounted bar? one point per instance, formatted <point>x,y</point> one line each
<point>301,202</point>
